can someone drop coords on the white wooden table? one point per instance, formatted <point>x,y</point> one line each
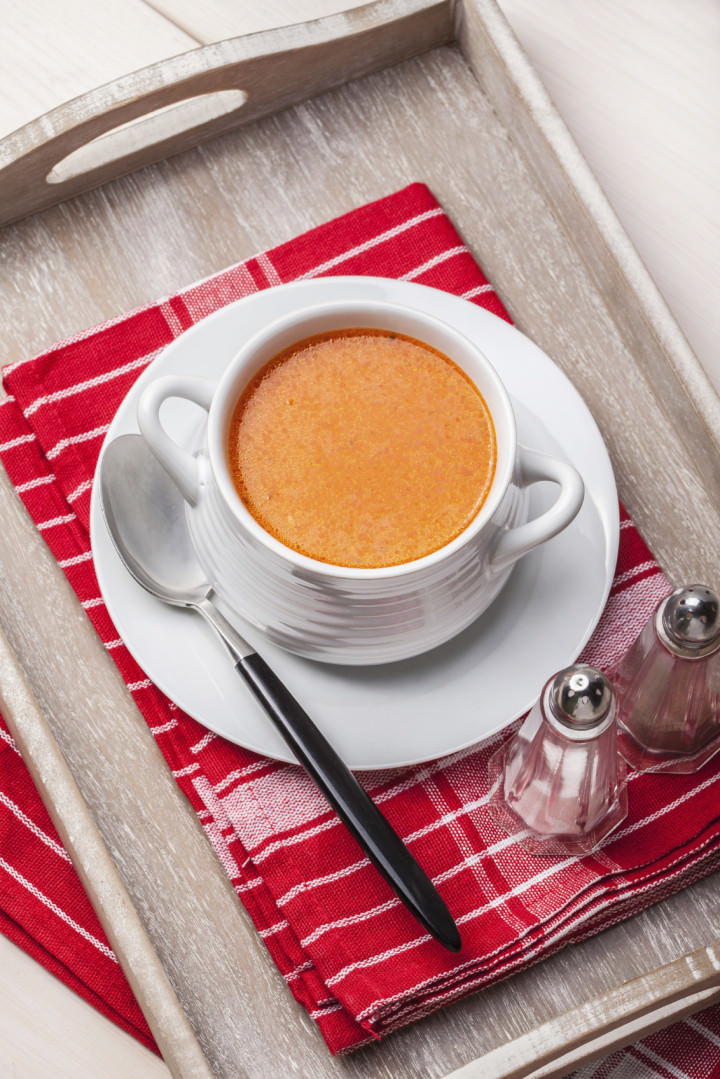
<point>638,83</point>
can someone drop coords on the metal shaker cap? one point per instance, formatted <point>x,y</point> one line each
<point>579,702</point>
<point>688,622</point>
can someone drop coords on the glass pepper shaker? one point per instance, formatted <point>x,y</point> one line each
<point>559,783</point>
<point>668,685</point>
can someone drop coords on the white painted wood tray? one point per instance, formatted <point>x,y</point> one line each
<point>401,90</point>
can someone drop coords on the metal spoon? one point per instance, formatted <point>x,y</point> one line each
<point>145,515</point>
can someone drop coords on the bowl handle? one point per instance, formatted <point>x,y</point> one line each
<point>181,466</point>
<point>534,467</point>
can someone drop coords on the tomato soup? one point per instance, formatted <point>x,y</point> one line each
<point>362,448</point>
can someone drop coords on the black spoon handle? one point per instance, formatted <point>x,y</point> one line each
<point>360,814</point>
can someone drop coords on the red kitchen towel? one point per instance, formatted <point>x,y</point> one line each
<point>43,907</point>
<point>349,951</point>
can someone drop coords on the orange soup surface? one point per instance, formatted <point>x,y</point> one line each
<point>362,448</point>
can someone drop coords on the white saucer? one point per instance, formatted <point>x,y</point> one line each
<point>418,709</point>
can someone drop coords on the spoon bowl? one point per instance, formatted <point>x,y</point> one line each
<point>142,509</point>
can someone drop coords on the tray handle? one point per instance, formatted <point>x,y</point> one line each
<point>175,104</point>
<point>598,1027</point>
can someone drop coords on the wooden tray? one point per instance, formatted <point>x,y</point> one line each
<point>337,112</point>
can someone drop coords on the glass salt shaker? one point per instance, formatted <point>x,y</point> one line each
<point>668,685</point>
<point>559,782</point>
